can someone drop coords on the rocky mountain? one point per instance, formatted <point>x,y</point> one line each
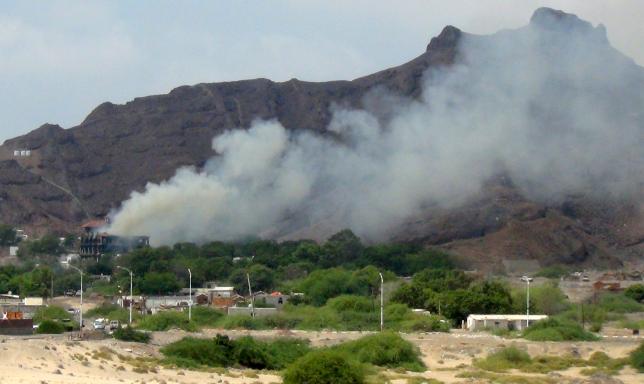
<point>85,171</point>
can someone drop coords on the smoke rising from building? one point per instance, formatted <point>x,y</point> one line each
<point>550,105</point>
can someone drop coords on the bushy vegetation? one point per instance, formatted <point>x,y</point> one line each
<point>637,358</point>
<point>553,272</point>
<point>50,327</point>
<point>325,367</point>
<point>635,292</point>
<point>547,299</point>
<point>51,312</point>
<point>552,329</point>
<point>515,358</point>
<point>386,349</point>
<point>619,303</point>
<point>165,320</point>
<point>130,334</point>
<point>454,294</point>
<point>221,351</point>
<point>113,312</point>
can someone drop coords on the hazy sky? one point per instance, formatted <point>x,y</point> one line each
<point>60,59</point>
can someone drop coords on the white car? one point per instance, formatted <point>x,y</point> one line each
<point>100,323</point>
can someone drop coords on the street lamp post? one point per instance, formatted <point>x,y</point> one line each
<point>527,305</point>
<point>190,296</point>
<point>252,299</point>
<point>81,298</point>
<point>382,302</point>
<point>131,297</point>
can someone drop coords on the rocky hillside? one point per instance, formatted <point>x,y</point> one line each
<point>86,171</point>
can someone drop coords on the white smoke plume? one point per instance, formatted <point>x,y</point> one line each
<point>551,105</point>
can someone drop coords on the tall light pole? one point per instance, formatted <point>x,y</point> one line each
<point>382,302</point>
<point>527,304</point>
<point>81,298</point>
<point>252,300</point>
<point>190,296</point>
<point>131,297</point>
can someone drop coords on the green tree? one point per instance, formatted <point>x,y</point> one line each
<point>262,278</point>
<point>635,292</point>
<point>342,248</point>
<point>7,235</point>
<point>159,283</point>
<point>46,245</point>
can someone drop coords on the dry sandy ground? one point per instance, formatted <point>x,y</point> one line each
<point>56,359</point>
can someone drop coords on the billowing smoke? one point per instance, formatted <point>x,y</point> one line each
<point>551,105</point>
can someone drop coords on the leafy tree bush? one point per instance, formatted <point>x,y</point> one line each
<point>504,359</point>
<point>547,299</point>
<point>637,358</point>
<point>159,283</point>
<point>46,245</point>
<point>163,321</point>
<point>51,312</point>
<point>50,327</point>
<point>553,272</point>
<point>386,349</point>
<point>325,367</point>
<point>552,329</point>
<point>205,316</point>
<point>7,235</point>
<point>635,292</point>
<point>619,303</point>
<point>130,334</point>
<point>245,351</point>
<point>351,303</point>
<point>262,278</point>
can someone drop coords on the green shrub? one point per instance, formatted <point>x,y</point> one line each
<point>51,312</point>
<point>619,303</point>
<point>205,316</point>
<point>130,334</point>
<point>50,326</point>
<point>552,329</point>
<point>635,292</point>
<point>637,358</point>
<point>223,352</point>
<point>351,303</point>
<point>163,321</point>
<point>112,312</point>
<point>424,323</point>
<point>240,322</point>
<point>324,367</point>
<point>385,349</point>
<point>190,352</point>
<point>553,272</point>
<point>504,359</point>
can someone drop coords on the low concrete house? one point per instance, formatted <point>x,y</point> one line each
<point>511,322</point>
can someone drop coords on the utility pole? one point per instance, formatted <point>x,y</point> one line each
<point>131,296</point>
<point>527,306</point>
<point>81,298</point>
<point>382,302</point>
<point>190,296</point>
<point>252,299</point>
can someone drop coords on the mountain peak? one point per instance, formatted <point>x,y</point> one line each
<point>553,19</point>
<point>448,38</point>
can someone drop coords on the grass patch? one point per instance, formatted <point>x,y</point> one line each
<point>112,312</point>
<point>498,378</point>
<point>325,367</point>
<point>221,351</point>
<point>552,329</point>
<point>386,349</point>
<point>50,327</point>
<point>636,358</point>
<point>504,359</point>
<point>130,334</point>
<point>163,321</point>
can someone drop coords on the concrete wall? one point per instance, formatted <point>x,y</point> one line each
<point>246,311</point>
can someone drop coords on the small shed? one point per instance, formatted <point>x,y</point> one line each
<point>511,322</point>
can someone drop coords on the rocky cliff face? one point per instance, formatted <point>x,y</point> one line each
<point>86,171</point>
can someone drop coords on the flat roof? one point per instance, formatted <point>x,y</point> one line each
<point>506,317</point>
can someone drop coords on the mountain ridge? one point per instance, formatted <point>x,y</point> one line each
<point>88,170</point>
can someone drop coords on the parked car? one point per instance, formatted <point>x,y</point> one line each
<point>100,323</point>
<point>70,292</point>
